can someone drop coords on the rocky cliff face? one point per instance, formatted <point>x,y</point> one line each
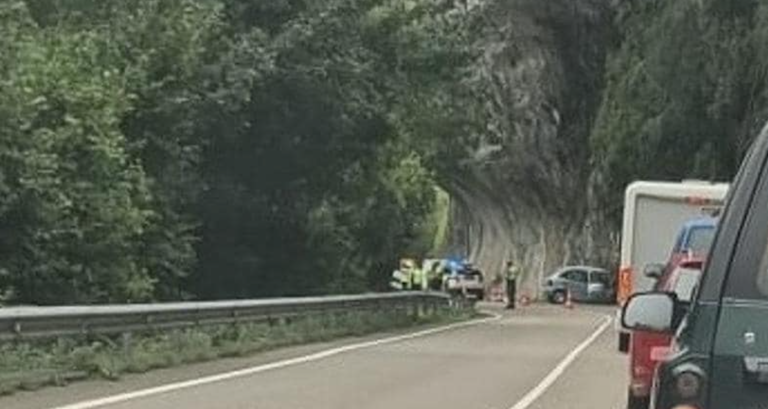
<point>523,192</point>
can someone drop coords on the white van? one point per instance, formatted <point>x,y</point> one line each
<point>653,215</point>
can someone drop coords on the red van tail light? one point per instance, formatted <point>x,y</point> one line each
<point>659,353</point>
<point>694,264</point>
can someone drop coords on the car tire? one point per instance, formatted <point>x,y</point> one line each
<point>635,402</point>
<point>558,297</point>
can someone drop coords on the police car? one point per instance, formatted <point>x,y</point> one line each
<point>465,279</point>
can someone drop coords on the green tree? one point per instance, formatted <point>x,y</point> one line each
<point>75,203</point>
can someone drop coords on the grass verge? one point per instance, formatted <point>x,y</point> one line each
<point>33,365</point>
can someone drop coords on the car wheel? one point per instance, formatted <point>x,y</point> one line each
<point>635,402</point>
<point>558,297</point>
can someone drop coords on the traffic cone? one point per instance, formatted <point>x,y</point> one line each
<point>568,300</point>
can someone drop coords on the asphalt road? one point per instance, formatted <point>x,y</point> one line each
<point>535,358</point>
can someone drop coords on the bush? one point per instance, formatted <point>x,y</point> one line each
<point>31,365</point>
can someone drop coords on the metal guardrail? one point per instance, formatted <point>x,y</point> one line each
<point>51,322</point>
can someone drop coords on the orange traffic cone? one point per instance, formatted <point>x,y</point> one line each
<point>568,300</point>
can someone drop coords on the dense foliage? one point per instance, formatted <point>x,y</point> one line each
<point>686,92</point>
<point>165,149</point>
<point>173,149</point>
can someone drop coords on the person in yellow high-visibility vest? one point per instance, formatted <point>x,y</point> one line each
<point>408,269</point>
<point>418,279</point>
<point>403,276</point>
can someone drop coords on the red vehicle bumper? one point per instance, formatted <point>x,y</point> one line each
<point>646,351</point>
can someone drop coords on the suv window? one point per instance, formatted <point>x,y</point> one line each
<point>748,277</point>
<point>577,275</point>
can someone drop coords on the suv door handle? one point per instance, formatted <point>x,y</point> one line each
<point>756,369</point>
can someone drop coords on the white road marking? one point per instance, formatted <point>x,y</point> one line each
<point>123,397</point>
<point>558,371</point>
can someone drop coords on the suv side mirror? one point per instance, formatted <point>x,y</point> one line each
<point>654,271</point>
<point>654,312</point>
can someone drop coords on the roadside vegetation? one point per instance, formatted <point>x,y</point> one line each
<point>685,94</point>
<point>161,150</point>
<point>202,149</point>
<point>32,365</point>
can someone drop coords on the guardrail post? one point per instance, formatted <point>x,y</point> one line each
<point>149,320</point>
<point>126,341</point>
<point>420,310</point>
<point>433,307</point>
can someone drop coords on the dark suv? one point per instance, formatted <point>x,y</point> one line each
<point>719,358</point>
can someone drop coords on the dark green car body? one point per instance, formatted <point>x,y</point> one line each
<point>724,335</point>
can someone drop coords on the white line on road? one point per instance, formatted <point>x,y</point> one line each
<point>558,371</point>
<point>111,400</point>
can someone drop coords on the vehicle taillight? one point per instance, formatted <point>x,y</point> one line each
<point>659,353</point>
<point>693,263</point>
<point>624,285</point>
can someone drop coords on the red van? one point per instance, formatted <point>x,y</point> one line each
<point>680,276</point>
